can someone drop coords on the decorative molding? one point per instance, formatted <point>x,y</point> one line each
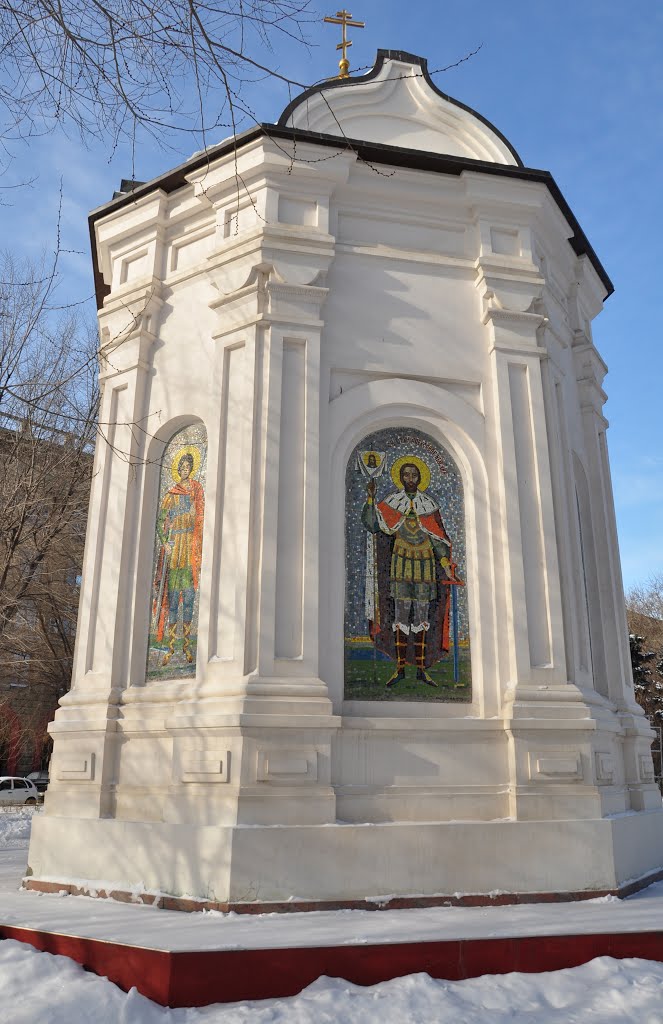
<point>386,252</point>
<point>555,766</point>
<point>645,768</point>
<point>125,354</point>
<point>535,320</point>
<point>76,768</point>
<point>205,765</point>
<point>522,352</point>
<point>287,765</point>
<point>343,380</point>
<point>604,766</point>
<point>266,297</point>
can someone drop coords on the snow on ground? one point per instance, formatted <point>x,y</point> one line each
<point>39,987</point>
<point>54,990</point>
<point>15,825</point>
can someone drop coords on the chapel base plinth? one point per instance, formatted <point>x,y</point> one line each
<point>278,864</point>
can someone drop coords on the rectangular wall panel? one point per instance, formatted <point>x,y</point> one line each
<point>290,530</point>
<point>108,539</point>
<point>576,628</point>
<point>232,484</point>
<point>384,230</point>
<point>621,660</point>
<point>538,615</point>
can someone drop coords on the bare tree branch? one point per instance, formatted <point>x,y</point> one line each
<point>105,68</point>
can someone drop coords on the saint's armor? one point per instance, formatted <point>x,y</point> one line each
<point>408,606</point>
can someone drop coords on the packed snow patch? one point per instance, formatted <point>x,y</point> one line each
<point>54,990</point>
<point>15,825</point>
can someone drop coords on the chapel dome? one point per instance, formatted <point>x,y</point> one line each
<point>398,104</point>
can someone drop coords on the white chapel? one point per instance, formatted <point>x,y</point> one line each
<point>352,623</point>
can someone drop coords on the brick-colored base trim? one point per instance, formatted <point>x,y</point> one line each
<point>165,902</point>
<point>201,977</point>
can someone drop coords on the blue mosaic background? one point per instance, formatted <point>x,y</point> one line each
<point>446,488</point>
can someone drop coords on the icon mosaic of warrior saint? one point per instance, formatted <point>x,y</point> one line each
<point>177,556</point>
<point>406,616</point>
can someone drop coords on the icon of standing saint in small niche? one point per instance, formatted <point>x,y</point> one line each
<point>180,533</point>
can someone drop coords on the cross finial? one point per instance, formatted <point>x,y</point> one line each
<point>343,18</point>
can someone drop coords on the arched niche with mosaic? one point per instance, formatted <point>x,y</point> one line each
<point>406,610</point>
<point>178,548</point>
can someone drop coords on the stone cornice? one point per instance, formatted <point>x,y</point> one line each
<point>125,231</point>
<point>497,315</point>
<point>126,328</point>
<point>129,354</point>
<point>520,351</point>
<point>590,371</point>
<point>373,153</point>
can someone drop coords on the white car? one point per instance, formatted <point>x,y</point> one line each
<point>17,791</point>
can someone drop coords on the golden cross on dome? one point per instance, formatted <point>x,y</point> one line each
<point>343,18</point>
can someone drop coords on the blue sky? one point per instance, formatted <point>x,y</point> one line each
<point>575,87</point>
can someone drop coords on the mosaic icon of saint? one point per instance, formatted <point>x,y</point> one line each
<point>407,589</point>
<point>180,533</point>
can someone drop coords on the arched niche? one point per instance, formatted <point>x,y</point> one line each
<point>459,426</point>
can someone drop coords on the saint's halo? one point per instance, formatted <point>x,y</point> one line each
<point>414,460</point>
<point>188,449</point>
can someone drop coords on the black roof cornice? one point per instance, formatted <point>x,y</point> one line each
<point>371,152</point>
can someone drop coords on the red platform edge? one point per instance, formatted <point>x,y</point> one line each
<point>502,899</point>
<point>198,978</point>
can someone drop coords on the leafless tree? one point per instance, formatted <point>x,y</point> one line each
<point>48,405</point>
<point>644,609</point>
<point>644,612</point>
<point>108,68</point>
<point>647,599</point>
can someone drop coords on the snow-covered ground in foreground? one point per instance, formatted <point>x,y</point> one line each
<point>38,987</point>
<point>14,840</point>
<point>15,824</point>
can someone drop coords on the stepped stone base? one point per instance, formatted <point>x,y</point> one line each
<point>239,867</point>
